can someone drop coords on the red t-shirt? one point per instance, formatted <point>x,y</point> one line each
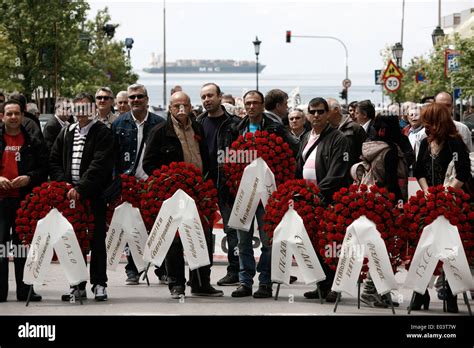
<point>9,163</point>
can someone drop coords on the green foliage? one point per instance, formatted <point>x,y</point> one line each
<point>42,48</point>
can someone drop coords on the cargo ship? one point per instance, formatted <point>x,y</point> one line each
<point>196,66</point>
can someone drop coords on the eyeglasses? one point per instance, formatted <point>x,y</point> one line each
<point>136,96</point>
<point>318,111</point>
<point>103,97</point>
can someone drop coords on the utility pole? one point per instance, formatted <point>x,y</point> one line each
<point>164,54</point>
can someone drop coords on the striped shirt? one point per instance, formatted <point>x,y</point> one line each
<point>80,135</point>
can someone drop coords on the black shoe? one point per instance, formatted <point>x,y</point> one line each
<point>229,280</point>
<point>315,294</point>
<point>177,291</point>
<point>33,298</point>
<point>331,297</point>
<point>78,294</point>
<point>132,278</point>
<point>421,300</point>
<point>207,290</point>
<point>264,291</point>
<point>385,302</point>
<point>242,291</point>
<point>293,279</point>
<point>451,300</point>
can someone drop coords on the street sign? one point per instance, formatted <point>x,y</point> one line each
<point>451,61</point>
<point>346,83</point>
<point>457,93</point>
<point>391,70</point>
<point>378,75</point>
<point>392,84</point>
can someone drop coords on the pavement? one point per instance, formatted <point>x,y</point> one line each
<point>143,300</point>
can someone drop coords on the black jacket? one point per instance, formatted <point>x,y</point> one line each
<point>96,164</point>
<point>51,131</point>
<point>271,126</point>
<point>33,160</point>
<point>164,147</point>
<point>331,168</point>
<point>225,137</point>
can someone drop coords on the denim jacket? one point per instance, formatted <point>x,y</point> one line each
<point>125,134</point>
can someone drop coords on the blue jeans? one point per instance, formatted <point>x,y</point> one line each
<point>246,258</point>
<point>231,234</point>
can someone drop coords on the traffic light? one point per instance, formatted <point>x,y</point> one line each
<point>109,29</point>
<point>343,94</point>
<point>288,36</point>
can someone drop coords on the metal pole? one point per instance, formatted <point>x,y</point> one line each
<point>439,13</point>
<point>164,54</point>
<point>403,20</point>
<point>257,71</point>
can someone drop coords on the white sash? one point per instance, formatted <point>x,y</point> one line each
<point>440,241</point>
<point>54,232</point>
<point>257,183</point>
<point>177,213</point>
<point>363,240</point>
<point>126,227</point>
<point>291,238</point>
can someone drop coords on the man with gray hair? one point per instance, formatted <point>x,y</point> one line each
<point>130,131</point>
<point>104,100</point>
<point>121,100</point>
<point>276,106</point>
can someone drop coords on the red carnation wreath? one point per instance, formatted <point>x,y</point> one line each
<point>270,147</point>
<point>305,201</point>
<point>54,195</point>
<point>167,180</point>
<point>421,210</point>
<point>132,189</point>
<point>351,203</point>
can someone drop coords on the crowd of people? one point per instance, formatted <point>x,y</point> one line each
<point>89,142</point>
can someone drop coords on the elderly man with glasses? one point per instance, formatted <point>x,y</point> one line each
<point>130,131</point>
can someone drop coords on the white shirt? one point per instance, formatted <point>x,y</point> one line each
<point>309,167</point>
<point>140,173</point>
<point>465,133</point>
<point>366,126</point>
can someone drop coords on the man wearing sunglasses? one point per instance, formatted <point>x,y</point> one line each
<point>324,160</point>
<point>130,131</point>
<point>104,101</point>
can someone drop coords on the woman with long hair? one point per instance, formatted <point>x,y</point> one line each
<point>442,145</point>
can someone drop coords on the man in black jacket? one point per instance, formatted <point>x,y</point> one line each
<point>324,160</point>
<point>82,155</point>
<point>62,118</point>
<point>23,165</point>
<point>181,139</point>
<point>218,125</point>
<point>255,120</point>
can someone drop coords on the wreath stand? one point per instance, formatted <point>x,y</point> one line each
<point>278,291</point>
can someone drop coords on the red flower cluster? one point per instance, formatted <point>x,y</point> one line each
<point>132,189</point>
<point>270,147</point>
<point>166,181</point>
<point>54,195</point>
<point>421,210</point>
<point>305,201</point>
<point>350,204</point>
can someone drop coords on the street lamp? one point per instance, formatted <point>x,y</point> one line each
<point>438,33</point>
<point>256,44</point>
<point>129,44</point>
<point>397,51</point>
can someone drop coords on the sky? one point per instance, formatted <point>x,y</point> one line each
<point>225,29</point>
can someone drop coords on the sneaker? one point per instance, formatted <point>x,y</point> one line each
<point>207,290</point>
<point>132,279</point>
<point>229,280</point>
<point>33,298</point>
<point>385,299</point>
<point>77,294</point>
<point>331,297</point>
<point>100,293</point>
<point>373,300</point>
<point>242,291</point>
<point>177,291</point>
<point>264,291</point>
<point>314,294</point>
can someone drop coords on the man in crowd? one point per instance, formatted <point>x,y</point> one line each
<point>276,106</point>
<point>130,131</point>
<point>351,109</point>
<point>181,139</point>
<point>30,122</point>
<point>104,100</point>
<point>121,100</point>
<point>82,155</point>
<point>218,124</point>
<point>323,160</point>
<point>23,165</point>
<point>255,120</point>
<point>62,118</point>
<point>364,116</point>
<point>297,122</point>
<point>353,132</point>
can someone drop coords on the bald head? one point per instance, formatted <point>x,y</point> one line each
<point>180,106</point>
<point>444,98</point>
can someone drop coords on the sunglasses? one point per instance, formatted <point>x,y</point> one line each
<point>136,96</point>
<point>103,97</point>
<point>318,111</point>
